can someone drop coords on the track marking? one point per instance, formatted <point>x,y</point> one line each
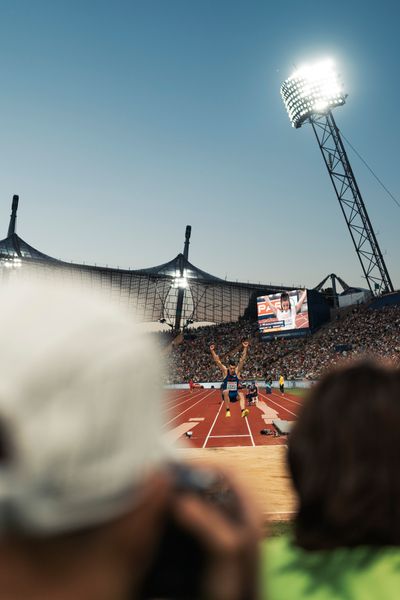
<point>171,401</point>
<point>197,419</point>
<point>232,435</point>
<point>251,435</point>
<point>174,434</point>
<point>179,394</point>
<point>280,406</point>
<point>181,413</point>
<point>175,395</point>
<point>173,405</point>
<point>268,413</point>
<point>286,398</point>
<point>212,426</point>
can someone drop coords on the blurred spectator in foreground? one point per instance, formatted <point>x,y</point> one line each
<point>88,485</point>
<point>344,456</point>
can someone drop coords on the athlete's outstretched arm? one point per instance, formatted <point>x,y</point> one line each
<point>218,360</point>
<point>300,302</point>
<point>243,357</point>
<point>271,306</point>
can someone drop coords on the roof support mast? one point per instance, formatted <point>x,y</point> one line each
<point>13,217</point>
<point>182,280</point>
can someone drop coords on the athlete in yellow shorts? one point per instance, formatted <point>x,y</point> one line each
<point>231,384</point>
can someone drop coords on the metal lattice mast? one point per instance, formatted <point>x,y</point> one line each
<point>351,203</point>
<point>309,96</point>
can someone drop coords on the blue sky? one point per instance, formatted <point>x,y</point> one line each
<point>122,122</point>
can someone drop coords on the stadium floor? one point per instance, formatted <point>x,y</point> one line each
<point>203,413</point>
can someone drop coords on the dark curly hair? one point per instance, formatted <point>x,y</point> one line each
<point>285,296</point>
<point>344,458</point>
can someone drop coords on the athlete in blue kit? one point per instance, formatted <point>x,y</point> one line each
<point>231,384</point>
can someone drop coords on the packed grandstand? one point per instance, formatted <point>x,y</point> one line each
<point>356,332</point>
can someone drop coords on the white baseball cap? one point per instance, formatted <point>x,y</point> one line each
<point>80,400</point>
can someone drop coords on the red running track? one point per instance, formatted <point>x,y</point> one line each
<point>203,413</point>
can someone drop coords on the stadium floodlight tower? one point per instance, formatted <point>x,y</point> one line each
<point>309,96</point>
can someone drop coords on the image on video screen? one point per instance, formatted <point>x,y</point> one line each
<point>283,312</point>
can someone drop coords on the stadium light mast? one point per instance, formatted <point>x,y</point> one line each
<point>309,96</point>
<point>181,279</point>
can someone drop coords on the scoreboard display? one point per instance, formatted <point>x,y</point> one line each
<point>279,314</point>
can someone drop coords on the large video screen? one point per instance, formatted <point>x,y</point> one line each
<point>283,312</point>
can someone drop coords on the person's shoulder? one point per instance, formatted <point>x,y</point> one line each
<point>279,547</point>
<point>279,575</point>
<point>362,572</point>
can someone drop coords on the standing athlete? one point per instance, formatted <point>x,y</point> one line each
<point>282,384</point>
<point>231,383</point>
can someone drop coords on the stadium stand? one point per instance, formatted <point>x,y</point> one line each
<point>360,332</point>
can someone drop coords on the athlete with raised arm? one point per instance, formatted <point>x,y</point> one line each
<point>231,384</point>
<point>288,310</point>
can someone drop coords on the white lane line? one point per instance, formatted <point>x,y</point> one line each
<point>168,408</point>
<point>183,412</point>
<point>186,394</point>
<point>286,398</point>
<point>172,404</point>
<point>177,394</point>
<point>280,406</point>
<point>251,435</point>
<point>212,426</point>
<point>233,435</point>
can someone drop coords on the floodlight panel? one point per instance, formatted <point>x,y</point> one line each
<point>314,89</point>
<point>181,280</point>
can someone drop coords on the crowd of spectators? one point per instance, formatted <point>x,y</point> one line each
<point>191,359</point>
<point>359,333</point>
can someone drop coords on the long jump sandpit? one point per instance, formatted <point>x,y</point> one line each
<point>261,470</point>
